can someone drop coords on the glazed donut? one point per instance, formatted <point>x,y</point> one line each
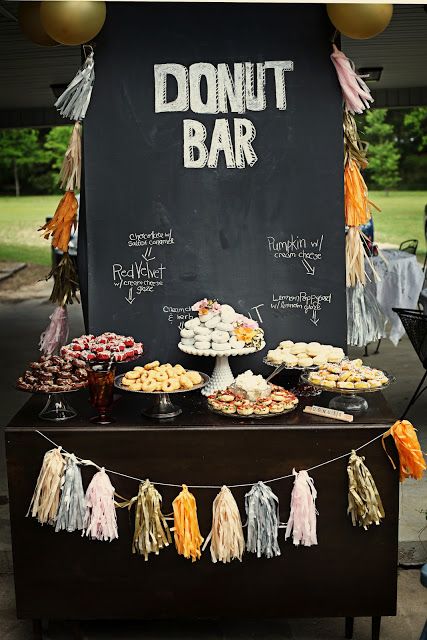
<point>160,376</point>
<point>132,375</point>
<point>152,365</point>
<point>139,369</point>
<point>185,382</point>
<point>172,384</point>
<point>195,377</point>
<point>135,386</point>
<point>149,385</point>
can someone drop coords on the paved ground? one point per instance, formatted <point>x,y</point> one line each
<point>20,327</point>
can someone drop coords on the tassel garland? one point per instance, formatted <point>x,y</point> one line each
<point>354,258</point>
<point>72,506</point>
<point>262,510</point>
<point>365,318</point>
<point>412,463</point>
<point>364,502</point>
<point>64,219</point>
<point>56,333</point>
<point>356,92</point>
<point>74,102</point>
<point>45,501</point>
<point>354,148</point>
<point>355,196</point>
<point>186,527</point>
<point>151,529</point>
<point>226,536</point>
<point>302,519</point>
<point>65,282</point>
<point>100,521</point>
<point>70,173</point>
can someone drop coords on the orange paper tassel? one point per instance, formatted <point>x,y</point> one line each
<point>412,463</point>
<point>186,527</point>
<point>355,196</point>
<point>62,222</point>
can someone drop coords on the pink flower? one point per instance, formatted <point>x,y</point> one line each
<point>247,322</point>
<point>198,305</point>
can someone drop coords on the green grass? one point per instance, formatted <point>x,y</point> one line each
<point>401,218</point>
<point>19,220</point>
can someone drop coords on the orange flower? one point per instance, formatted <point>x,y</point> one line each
<point>244,333</point>
<point>203,311</point>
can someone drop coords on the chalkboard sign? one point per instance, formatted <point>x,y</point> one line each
<point>213,167</point>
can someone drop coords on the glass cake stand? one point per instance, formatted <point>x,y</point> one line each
<point>162,407</point>
<point>57,407</point>
<point>349,400</point>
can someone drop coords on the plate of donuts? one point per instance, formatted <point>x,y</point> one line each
<point>154,378</point>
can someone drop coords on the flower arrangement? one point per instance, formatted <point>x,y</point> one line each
<point>204,306</point>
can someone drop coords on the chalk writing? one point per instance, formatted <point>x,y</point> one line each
<point>150,238</point>
<point>305,250</point>
<point>310,303</point>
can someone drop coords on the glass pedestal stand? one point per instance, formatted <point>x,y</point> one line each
<point>162,408</point>
<point>349,404</point>
<point>221,378</point>
<point>57,408</point>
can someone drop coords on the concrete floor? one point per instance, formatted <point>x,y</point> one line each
<point>20,327</point>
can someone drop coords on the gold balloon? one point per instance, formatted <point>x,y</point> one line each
<point>360,21</point>
<point>31,24</point>
<point>72,21</point>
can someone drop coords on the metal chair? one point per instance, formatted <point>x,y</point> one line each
<point>410,246</point>
<point>415,323</point>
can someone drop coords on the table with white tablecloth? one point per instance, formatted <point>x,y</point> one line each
<point>400,284</point>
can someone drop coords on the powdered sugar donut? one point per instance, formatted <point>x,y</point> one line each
<point>202,331</point>
<point>220,346</point>
<point>190,324</point>
<point>187,333</point>
<point>220,336</point>
<point>202,345</point>
<point>224,326</point>
<point>206,316</point>
<point>187,341</point>
<point>236,344</point>
<point>214,321</point>
<point>227,313</point>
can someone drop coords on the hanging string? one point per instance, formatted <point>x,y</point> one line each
<point>212,486</point>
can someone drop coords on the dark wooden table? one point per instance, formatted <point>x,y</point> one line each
<point>350,573</point>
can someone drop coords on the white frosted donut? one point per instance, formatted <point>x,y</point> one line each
<point>212,323</point>
<point>187,333</point>
<point>220,336</point>
<point>227,313</point>
<point>190,324</point>
<point>206,316</point>
<point>187,341</point>
<point>202,345</point>
<point>202,331</point>
<point>220,346</point>
<point>236,344</point>
<point>224,326</point>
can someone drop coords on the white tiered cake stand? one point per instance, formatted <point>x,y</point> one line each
<point>222,376</point>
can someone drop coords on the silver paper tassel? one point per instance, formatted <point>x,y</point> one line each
<point>73,103</point>
<point>72,506</point>
<point>262,507</point>
<point>365,318</point>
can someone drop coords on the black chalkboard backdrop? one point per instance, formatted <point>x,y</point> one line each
<point>267,238</point>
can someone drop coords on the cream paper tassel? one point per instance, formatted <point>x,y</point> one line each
<point>364,502</point>
<point>226,536</point>
<point>45,501</point>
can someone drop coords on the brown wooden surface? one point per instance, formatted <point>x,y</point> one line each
<point>351,572</point>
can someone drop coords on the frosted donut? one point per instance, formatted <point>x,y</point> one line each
<point>172,384</point>
<point>132,375</point>
<point>185,382</point>
<point>227,313</point>
<point>202,345</point>
<point>236,344</point>
<point>187,341</point>
<point>187,333</point>
<point>195,377</point>
<point>212,322</point>
<point>152,365</point>
<point>220,336</point>
<point>149,385</point>
<point>224,326</point>
<point>220,346</point>
<point>190,324</point>
<point>179,369</point>
<point>206,316</point>
<point>161,376</point>
<point>136,386</point>
<point>202,331</point>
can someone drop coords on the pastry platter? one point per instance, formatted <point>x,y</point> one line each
<point>232,403</point>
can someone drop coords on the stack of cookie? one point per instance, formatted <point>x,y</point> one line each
<point>213,330</point>
<point>304,355</point>
<point>54,374</point>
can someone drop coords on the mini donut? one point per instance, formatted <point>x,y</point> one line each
<point>139,369</point>
<point>227,313</point>
<point>152,365</point>
<point>212,322</point>
<point>126,382</point>
<point>179,369</point>
<point>190,324</point>
<point>220,346</point>
<point>149,386</point>
<point>220,336</point>
<point>132,375</point>
<point>188,342</point>
<point>151,374</point>
<point>187,333</point>
<point>136,386</point>
<point>161,376</point>
<point>185,382</point>
<point>202,345</point>
<point>172,384</point>
<point>236,344</point>
<point>158,385</point>
<point>202,331</point>
<point>224,326</point>
<point>195,377</point>
<point>205,317</point>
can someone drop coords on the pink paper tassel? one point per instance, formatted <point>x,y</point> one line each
<point>56,334</point>
<point>356,92</point>
<point>100,522</point>
<point>302,519</point>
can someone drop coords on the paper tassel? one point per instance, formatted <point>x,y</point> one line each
<point>356,92</point>
<point>227,541</point>
<point>73,103</point>
<point>354,258</point>
<point>364,502</point>
<point>262,510</point>
<point>45,501</point>
<point>72,506</point>
<point>355,196</point>
<point>186,527</point>
<point>365,318</point>
<point>56,333</point>
<point>70,173</point>
<point>151,529</point>
<point>64,219</point>
<point>302,519</point>
<point>65,282</point>
<point>412,463</point>
<point>354,148</point>
<point>100,521</point>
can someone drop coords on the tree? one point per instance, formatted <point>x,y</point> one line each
<point>56,144</point>
<point>416,123</point>
<point>19,147</point>
<point>383,152</point>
